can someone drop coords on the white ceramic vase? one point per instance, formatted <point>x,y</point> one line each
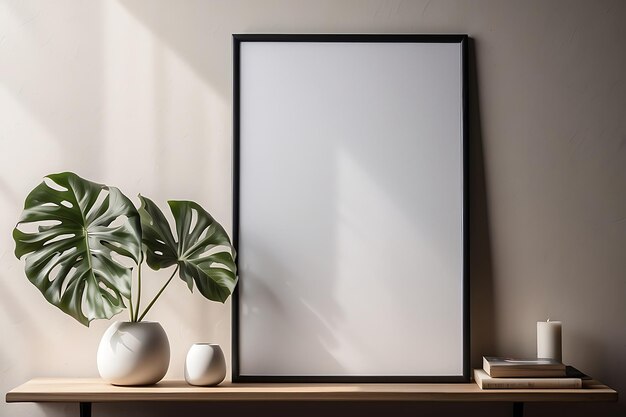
<point>205,365</point>
<point>133,353</point>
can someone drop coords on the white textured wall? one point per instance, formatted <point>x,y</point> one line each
<point>138,94</point>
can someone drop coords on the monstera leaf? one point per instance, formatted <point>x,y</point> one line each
<point>70,258</point>
<point>202,249</point>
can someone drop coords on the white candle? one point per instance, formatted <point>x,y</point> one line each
<point>549,339</point>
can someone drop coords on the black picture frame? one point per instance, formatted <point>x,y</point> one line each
<point>462,40</point>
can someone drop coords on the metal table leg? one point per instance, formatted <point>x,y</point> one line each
<point>85,409</point>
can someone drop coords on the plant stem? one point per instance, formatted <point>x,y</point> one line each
<point>158,295</point>
<point>138,288</point>
<point>130,306</point>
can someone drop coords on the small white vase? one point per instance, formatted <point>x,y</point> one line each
<point>205,365</point>
<point>133,353</point>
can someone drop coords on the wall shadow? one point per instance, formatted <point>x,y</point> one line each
<point>482,306</point>
<point>55,105</point>
<point>201,31</point>
<point>185,43</point>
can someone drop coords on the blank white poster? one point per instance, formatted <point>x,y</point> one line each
<point>351,209</point>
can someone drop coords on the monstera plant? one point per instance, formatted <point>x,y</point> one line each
<point>88,238</point>
<point>83,241</point>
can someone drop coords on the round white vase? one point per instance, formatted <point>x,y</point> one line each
<point>205,365</point>
<point>133,353</point>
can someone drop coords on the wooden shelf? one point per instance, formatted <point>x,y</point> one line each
<point>95,391</point>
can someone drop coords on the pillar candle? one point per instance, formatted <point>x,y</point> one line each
<point>549,339</point>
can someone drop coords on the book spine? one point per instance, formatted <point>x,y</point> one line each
<point>532,384</point>
<point>536,373</point>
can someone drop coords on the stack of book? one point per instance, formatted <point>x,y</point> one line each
<point>505,373</point>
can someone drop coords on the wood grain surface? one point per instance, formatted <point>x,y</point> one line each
<point>96,390</point>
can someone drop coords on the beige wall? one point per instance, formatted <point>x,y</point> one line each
<point>138,94</point>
